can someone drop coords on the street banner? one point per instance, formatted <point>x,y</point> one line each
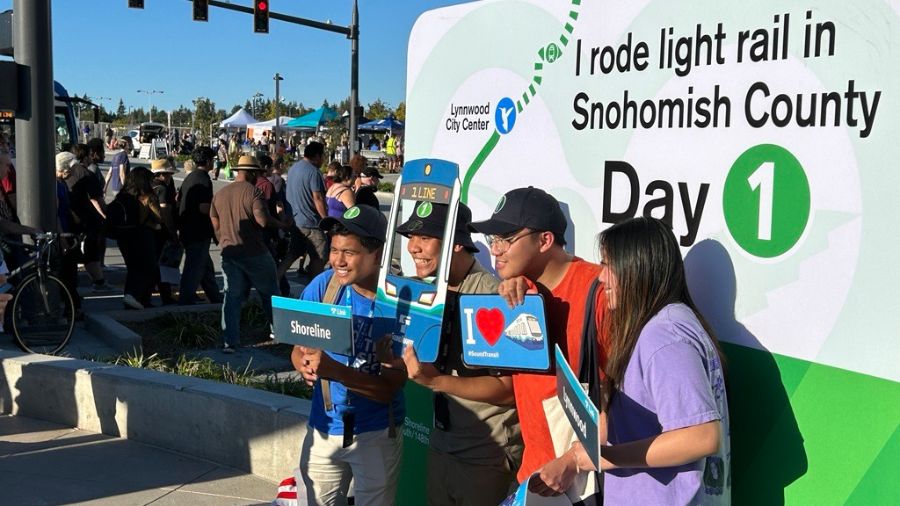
<point>766,134</point>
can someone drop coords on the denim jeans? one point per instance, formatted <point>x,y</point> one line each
<point>240,274</point>
<point>198,270</point>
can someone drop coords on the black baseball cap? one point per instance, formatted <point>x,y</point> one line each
<point>371,172</point>
<point>363,221</point>
<point>428,219</point>
<point>524,208</point>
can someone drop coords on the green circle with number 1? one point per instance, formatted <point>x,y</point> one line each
<point>766,200</point>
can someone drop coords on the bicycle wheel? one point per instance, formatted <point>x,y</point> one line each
<point>43,315</point>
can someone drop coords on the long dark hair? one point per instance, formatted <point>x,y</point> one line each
<point>644,256</point>
<point>139,183</point>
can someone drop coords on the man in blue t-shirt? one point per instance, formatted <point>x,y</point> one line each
<point>357,404</point>
<point>306,196</point>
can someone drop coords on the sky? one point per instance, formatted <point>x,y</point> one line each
<point>105,49</point>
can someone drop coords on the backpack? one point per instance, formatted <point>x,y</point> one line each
<point>118,220</point>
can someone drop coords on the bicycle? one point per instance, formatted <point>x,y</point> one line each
<point>42,311</point>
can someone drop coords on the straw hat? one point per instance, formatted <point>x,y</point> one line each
<point>161,166</point>
<point>247,162</point>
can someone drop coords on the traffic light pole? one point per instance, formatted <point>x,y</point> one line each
<point>351,32</point>
<point>35,124</point>
<point>354,81</point>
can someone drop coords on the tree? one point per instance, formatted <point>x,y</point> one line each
<point>400,112</point>
<point>378,110</point>
<point>120,111</point>
<point>205,114</point>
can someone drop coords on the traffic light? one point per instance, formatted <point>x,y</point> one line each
<point>201,10</point>
<point>261,16</point>
<point>136,4</point>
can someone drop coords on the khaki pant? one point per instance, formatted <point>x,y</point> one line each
<point>453,482</point>
<point>372,461</point>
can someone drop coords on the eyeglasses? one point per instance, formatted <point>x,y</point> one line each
<point>501,244</point>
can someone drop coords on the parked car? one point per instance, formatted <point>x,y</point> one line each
<point>145,135</point>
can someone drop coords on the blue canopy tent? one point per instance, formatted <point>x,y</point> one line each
<point>314,119</point>
<point>382,125</point>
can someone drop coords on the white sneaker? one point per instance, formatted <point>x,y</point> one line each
<point>131,302</point>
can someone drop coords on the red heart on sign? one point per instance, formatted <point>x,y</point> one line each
<point>490,324</point>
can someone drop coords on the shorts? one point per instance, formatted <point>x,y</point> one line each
<point>307,241</point>
<point>316,243</point>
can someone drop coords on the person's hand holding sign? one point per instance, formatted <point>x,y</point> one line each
<point>423,374</point>
<point>313,364</point>
<point>513,290</point>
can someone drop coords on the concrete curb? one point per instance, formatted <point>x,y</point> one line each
<point>252,430</point>
<point>106,325</point>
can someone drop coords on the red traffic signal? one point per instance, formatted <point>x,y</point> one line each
<point>201,10</point>
<point>261,16</point>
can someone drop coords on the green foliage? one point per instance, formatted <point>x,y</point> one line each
<point>138,360</point>
<point>400,112</point>
<point>207,368</point>
<point>191,330</point>
<point>386,187</point>
<point>378,110</point>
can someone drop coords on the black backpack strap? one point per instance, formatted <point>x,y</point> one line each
<point>589,368</point>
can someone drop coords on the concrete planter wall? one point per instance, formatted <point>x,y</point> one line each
<point>251,430</point>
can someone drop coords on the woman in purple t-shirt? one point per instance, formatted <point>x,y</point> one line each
<point>665,412</point>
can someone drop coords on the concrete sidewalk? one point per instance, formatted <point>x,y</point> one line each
<point>45,463</point>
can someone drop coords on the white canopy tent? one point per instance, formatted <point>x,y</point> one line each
<point>239,119</point>
<point>255,130</point>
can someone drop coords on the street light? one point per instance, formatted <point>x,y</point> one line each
<point>150,94</point>
<point>278,80</point>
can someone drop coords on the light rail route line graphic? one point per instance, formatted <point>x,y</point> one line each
<point>546,55</point>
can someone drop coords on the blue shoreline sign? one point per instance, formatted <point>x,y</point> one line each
<point>313,324</point>
<point>581,412</point>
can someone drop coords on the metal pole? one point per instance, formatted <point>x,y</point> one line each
<point>35,132</point>
<point>354,78</point>
<point>278,80</point>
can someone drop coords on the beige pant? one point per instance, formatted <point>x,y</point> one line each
<point>372,461</point>
<point>453,482</point>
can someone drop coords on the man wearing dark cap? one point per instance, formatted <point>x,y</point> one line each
<point>239,214</point>
<point>366,185</point>
<point>476,445</point>
<point>526,234</point>
<point>356,405</point>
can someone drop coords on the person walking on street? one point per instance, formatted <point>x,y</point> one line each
<point>88,212</point>
<point>239,215</point>
<point>136,211</point>
<point>306,195</point>
<point>119,167</point>
<point>167,236</point>
<point>340,197</point>
<point>196,232</point>
<point>221,157</point>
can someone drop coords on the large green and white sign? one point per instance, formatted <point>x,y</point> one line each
<point>768,134</point>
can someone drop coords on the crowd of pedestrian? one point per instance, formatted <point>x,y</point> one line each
<point>628,324</point>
